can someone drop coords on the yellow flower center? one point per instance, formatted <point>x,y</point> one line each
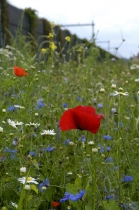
<point>29,178</point>
<point>121,93</point>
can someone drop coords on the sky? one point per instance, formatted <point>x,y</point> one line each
<point>114,20</point>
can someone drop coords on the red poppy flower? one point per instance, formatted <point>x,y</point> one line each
<point>20,72</point>
<point>81,117</point>
<point>55,204</point>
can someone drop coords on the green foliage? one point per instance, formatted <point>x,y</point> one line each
<point>33,20</point>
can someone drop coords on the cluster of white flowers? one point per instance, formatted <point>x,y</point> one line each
<point>134,66</point>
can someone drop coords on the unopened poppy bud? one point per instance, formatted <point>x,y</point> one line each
<point>102,90</point>
<point>115,114</point>
<point>135,96</point>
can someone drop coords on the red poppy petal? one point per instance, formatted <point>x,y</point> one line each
<point>67,122</point>
<point>55,204</point>
<point>86,109</point>
<point>85,121</point>
<point>19,72</point>
<point>81,117</point>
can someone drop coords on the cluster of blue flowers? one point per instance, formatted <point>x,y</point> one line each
<point>107,137</point>
<point>12,152</point>
<point>72,197</point>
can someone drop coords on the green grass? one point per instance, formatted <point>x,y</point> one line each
<point>55,83</point>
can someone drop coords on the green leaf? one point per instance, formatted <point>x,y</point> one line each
<point>88,207</point>
<point>33,187</point>
<point>111,205</point>
<point>71,188</point>
<point>78,182</point>
<point>30,197</point>
<point>35,164</point>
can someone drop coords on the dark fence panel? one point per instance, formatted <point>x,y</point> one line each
<point>18,19</point>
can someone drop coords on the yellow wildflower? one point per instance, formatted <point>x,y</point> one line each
<point>67,38</point>
<point>50,35</point>
<point>43,50</point>
<point>53,46</point>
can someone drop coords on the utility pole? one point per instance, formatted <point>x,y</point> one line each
<point>84,24</point>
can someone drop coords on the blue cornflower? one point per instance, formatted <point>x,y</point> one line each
<point>72,197</point>
<point>108,148</point>
<point>43,71</point>
<point>65,105</point>
<point>79,98</point>
<point>127,178</point>
<point>44,185</point>
<point>11,151</point>
<point>109,160</point>
<point>32,154</point>
<point>40,104</point>
<point>100,106</point>
<point>80,194</point>
<point>11,108</point>
<point>48,149</point>
<point>101,148</point>
<point>107,137</point>
<point>66,142</point>
<point>15,142</point>
<point>65,198</point>
<point>108,197</point>
<point>82,138</point>
<point>127,206</point>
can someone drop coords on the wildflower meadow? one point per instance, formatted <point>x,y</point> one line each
<point>69,128</point>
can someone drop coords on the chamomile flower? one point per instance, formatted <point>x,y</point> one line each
<point>14,205</point>
<point>17,106</point>
<point>13,123</point>
<point>28,180</point>
<point>116,93</point>
<point>33,124</point>
<point>48,132</point>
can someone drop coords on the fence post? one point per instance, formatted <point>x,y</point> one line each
<point>1,31</point>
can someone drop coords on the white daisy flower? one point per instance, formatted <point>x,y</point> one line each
<point>90,142</point>
<point>24,180</point>
<point>48,132</point>
<point>94,150</point>
<point>33,124</point>
<point>17,106</point>
<point>1,129</point>
<point>13,123</point>
<point>14,205</point>
<point>116,93</point>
